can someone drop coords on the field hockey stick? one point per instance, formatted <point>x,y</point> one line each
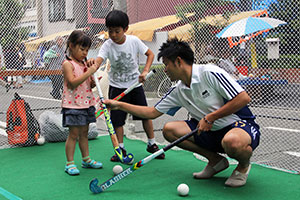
<point>129,158</point>
<point>98,189</point>
<point>120,96</point>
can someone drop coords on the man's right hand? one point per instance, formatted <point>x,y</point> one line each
<point>112,104</point>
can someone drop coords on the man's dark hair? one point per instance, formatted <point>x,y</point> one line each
<point>117,18</point>
<point>174,48</point>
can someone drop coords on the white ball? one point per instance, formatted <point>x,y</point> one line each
<point>117,169</point>
<point>183,189</point>
<point>41,140</point>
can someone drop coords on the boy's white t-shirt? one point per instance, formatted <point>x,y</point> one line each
<point>124,70</point>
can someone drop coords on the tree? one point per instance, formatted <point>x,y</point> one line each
<point>288,11</point>
<point>11,13</point>
<point>11,34</point>
<point>203,33</point>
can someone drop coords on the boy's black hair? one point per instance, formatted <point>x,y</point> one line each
<point>79,37</point>
<point>174,48</point>
<point>117,18</point>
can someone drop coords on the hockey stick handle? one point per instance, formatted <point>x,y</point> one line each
<point>137,84</point>
<point>127,159</point>
<point>106,114</point>
<point>98,189</point>
<point>120,96</point>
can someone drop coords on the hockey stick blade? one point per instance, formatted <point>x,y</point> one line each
<point>95,188</point>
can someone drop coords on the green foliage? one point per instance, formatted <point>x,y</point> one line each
<point>199,9</point>
<point>288,11</point>
<point>158,68</point>
<point>284,61</point>
<point>11,13</point>
<point>202,32</point>
<point>153,82</point>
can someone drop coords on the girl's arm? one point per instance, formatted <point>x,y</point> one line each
<point>150,58</point>
<point>72,81</point>
<point>96,62</point>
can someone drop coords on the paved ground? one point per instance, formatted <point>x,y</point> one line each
<point>278,118</point>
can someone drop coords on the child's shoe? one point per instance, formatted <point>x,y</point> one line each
<point>154,148</point>
<point>92,164</point>
<point>115,157</point>
<point>72,170</point>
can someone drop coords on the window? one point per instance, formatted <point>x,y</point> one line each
<point>101,8</point>
<point>28,4</point>
<point>57,10</point>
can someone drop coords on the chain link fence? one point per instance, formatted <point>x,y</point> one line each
<point>266,63</point>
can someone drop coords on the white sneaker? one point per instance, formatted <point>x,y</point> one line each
<point>237,179</point>
<point>210,171</point>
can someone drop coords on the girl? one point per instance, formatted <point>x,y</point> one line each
<point>78,101</point>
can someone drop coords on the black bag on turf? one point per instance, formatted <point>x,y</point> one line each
<point>22,127</point>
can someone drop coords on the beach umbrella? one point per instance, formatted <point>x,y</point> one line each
<point>249,25</point>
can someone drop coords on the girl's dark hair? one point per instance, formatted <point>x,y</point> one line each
<point>174,48</point>
<point>79,37</point>
<point>117,18</point>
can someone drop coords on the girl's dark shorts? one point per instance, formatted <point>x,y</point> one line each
<point>78,117</point>
<point>136,97</point>
<point>211,140</point>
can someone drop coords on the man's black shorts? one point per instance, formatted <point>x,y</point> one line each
<point>211,140</point>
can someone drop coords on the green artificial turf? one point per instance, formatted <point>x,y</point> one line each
<point>37,173</point>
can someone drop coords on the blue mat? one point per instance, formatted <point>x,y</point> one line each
<point>46,80</point>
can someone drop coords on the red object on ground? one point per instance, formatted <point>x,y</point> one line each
<point>243,70</point>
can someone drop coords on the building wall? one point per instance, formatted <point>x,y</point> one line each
<point>137,10</point>
<point>30,20</point>
<point>140,10</point>
<point>48,27</point>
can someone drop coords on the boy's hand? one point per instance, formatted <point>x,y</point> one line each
<point>111,104</point>
<point>90,62</point>
<point>142,77</point>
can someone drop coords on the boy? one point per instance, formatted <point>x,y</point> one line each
<point>122,51</point>
<point>218,107</point>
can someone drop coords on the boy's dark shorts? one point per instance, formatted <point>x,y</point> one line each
<point>78,117</point>
<point>136,97</point>
<point>211,140</point>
